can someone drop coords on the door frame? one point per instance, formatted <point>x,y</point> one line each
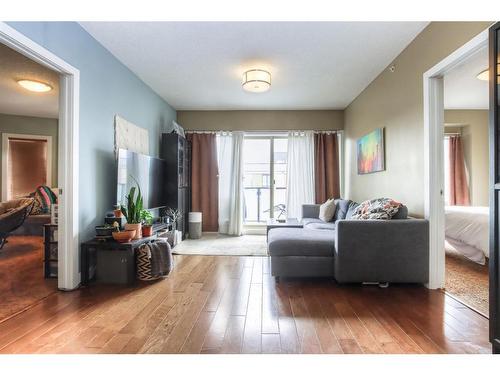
<point>434,153</point>
<point>5,157</point>
<point>68,163</point>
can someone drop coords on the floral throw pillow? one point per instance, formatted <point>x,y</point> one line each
<point>376,209</point>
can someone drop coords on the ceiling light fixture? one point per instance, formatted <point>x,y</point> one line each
<point>256,80</point>
<point>34,86</point>
<point>485,74</point>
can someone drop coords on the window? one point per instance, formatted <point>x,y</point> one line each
<point>264,176</point>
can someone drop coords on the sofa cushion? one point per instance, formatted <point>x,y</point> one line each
<point>308,220</point>
<point>401,214</point>
<point>342,207</point>
<point>321,225</point>
<point>301,242</point>
<point>327,210</point>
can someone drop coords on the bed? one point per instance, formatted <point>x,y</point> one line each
<point>467,231</point>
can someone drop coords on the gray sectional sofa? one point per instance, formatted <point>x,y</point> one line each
<point>352,251</point>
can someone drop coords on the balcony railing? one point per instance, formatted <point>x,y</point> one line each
<point>257,200</point>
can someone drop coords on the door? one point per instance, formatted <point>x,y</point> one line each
<point>494,78</point>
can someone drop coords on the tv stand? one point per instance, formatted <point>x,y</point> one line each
<point>112,262</point>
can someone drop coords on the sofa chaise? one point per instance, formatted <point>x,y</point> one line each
<point>352,251</point>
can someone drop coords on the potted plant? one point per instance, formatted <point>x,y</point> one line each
<point>133,211</point>
<point>147,223</point>
<point>117,211</point>
<point>174,216</point>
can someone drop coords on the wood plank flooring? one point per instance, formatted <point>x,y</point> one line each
<point>233,305</point>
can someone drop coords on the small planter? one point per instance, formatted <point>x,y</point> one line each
<point>137,228</point>
<point>147,230</point>
<point>117,213</point>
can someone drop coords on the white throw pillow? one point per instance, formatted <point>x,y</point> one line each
<point>327,210</point>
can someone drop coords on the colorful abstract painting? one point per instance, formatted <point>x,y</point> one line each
<point>371,152</point>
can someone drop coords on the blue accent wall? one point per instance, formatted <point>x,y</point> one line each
<point>107,88</point>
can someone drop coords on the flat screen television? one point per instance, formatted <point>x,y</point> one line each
<point>149,173</point>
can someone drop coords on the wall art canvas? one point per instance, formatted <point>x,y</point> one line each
<point>130,137</point>
<point>371,152</point>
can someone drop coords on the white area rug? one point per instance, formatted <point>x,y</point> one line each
<point>217,244</point>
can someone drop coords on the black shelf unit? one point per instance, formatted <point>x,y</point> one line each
<point>176,151</point>
<point>50,250</point>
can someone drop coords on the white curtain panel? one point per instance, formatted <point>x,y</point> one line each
<point>224,158</point>
<point>230,162</point>
<point>300,176</point>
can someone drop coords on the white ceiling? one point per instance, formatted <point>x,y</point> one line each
<point>14,99</point>
<point>462,89</point>
<point>199,65</point>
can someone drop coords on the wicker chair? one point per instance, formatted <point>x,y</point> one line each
<point>12,216</point>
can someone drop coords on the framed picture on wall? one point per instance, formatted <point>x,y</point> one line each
<point>371,152</point>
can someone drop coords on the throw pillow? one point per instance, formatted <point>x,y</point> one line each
<point>376,209</point>
<point>327,210</point>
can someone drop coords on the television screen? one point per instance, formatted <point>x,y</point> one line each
<point>149,173</point>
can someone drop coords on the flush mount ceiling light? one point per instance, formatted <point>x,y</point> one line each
<point>485,74</point>
<point>34,86</point>
<point>256,80</point>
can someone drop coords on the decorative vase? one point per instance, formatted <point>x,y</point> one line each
<point>137,228</point>
<point>147,230</point>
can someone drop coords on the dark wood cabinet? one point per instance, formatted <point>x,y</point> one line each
<point>50,250</point>
<point>176,151</point>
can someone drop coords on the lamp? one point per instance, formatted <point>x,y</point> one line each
<point>256,80</point>
<point>34,86</point>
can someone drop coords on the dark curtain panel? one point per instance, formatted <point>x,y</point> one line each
<point>326,167</point>
<point>204,179</point>
<point>459,187</point>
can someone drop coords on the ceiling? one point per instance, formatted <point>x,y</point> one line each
<point>462,89</point>
<point>14,99</point>
<point>199,65</point>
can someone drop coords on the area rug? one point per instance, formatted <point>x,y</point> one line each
<point>467,281</point>
<point>21,275</point>
<point>216,244</point>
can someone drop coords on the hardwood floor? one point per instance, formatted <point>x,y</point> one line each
<point>22,283</point>
<point>232,305</point>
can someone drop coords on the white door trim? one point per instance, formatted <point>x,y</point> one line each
<point>69,105</point>
<point>434,153</point>
<point>5,158</point>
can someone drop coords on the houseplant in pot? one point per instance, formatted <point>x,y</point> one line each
<point>147,223</point>
<point>174,215</point>
<point>133,211</point>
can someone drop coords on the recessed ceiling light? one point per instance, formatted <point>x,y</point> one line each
<point>256,80</point>
<point>34,86</point>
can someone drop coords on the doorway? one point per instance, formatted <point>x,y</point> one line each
<point>466,188</point>
<point>67,169</point>
<point>264,177</point>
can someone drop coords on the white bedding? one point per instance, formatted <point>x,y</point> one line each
<point>467,231</point>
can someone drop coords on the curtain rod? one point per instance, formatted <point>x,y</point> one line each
<point>262,131</point>
<point>448,134</point>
